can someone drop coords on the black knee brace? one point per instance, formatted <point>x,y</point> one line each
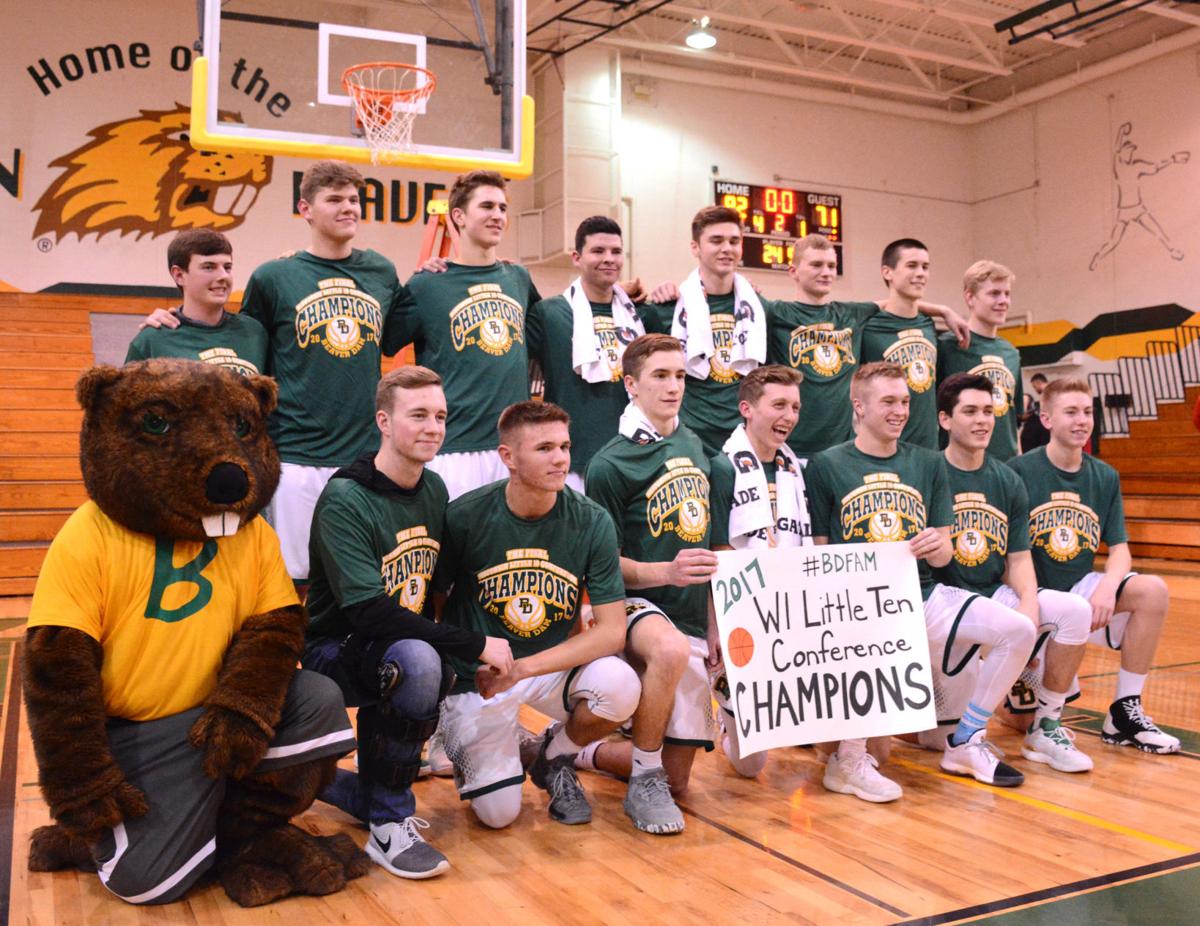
<point>380,729</point>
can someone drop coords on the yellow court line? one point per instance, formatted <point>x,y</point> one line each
<point>1076,815</point>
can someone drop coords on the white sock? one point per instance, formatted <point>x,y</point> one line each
<point>561,744</point>
<point>851,749</point>
<point>646,760</point>
<point>586,757</point>
<point>1129,683</point>
<point>1049,704</point>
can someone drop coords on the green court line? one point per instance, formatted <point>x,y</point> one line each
<point>1168,899</point>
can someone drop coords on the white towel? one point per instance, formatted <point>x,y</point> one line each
<point>692,325</point>
<point>590,362</point>
<point>751,521</point>
<point>635,426</point>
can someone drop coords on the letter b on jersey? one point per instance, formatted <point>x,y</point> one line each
<point>166,574</point>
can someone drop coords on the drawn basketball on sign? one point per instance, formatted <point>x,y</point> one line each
<point>739,648</point>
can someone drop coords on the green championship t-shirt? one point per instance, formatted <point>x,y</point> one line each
<point>365,544</point>
<point>236,341</point>
<point>325,324</point>
<point>710,405</point>
<point>1069,515</point>
<point>595,408</point>
<point>1000,362</point>
<point>720,496</point>
<point>657,496</point>
<point>911,343</point>
<point>468,325</point>
<point>823,342</point>
<point>521,578</point>
<point>854,497</point>
<point>991,509</point>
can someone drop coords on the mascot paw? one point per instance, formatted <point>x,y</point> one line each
<point>287,860</point>
<point>355,861</point>
<point>90,820</point>
<point>52,848</point>
<point>233,744</point>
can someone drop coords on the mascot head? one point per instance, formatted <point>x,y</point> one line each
<point>177,448</point>
<point>140,175</point>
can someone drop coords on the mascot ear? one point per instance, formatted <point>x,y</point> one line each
<point>264,389</point>
<point>92,383</point>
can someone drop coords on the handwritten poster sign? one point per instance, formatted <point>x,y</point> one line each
<point>823,643</point>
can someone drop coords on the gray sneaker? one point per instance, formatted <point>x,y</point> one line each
<point>401,849</point>
<point>568,803</point>
<point>649,804</point>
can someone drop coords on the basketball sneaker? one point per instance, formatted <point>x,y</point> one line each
<point>981,760</point>
<point>1127,724</point>
<point>529,744</point>
<point>859,775</point>
<point>1053,744</point>
<point>648,803</point>
<point>435,754</point>
<point>568,802</point>
<point>402,850</point>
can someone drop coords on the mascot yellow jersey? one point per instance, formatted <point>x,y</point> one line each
<point>164,611</point>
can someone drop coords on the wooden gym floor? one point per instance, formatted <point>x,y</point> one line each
<point>1119,845</point>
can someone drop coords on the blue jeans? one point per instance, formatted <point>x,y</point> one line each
<point>415,698</point>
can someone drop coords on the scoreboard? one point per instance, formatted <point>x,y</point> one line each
<point>774,217</point>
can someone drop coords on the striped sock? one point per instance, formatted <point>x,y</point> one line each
<point>974,719</point>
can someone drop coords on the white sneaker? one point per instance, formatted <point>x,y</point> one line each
<point>859,776</point>
<point>435,753</point>
<point>1053,744</point>
<point>401,849</point>
<point>981,760</point>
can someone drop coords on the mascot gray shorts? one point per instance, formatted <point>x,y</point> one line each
<point>156,858</point>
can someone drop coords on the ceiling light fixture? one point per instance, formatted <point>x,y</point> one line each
<point>701,39</point>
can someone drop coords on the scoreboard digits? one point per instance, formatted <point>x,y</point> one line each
<point>773,217</point>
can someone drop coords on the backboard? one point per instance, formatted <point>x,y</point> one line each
<point>270,79</point>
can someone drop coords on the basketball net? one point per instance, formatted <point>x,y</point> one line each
<point>387,96</point>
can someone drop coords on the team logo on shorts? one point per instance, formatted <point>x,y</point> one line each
<point>1004,384</point>
<point>678,501</point>
<point>408,569</point>
<point>979,528</point>
<point>224,357</point>
<point>821,348</point>
<point>918,355</point>
<point>528,593</point>
<point>488,319</point>
<point>882,509</point>
<point>1064,527</point>
<point>339,317</point>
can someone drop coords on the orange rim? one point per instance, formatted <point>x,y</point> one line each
<point>383,99</point>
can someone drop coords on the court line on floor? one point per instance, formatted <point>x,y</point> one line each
<point>1173,665</point>
<point>1058,810</point>
<point>1058,892</point>
<point>807,869</point>
<point>8,779</point>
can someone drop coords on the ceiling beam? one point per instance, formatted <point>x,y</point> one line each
<point>972,19</point>
<point>985,67</point>
<point>742,63</point>
<point>1168,12</point>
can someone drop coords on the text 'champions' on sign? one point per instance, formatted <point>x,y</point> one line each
<point>823,643</point>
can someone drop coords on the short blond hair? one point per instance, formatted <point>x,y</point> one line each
<point>1057,387</point>
<point>406,377</point>
<point>869,372</point>
<point>813,242</point>
<point>983,270</point>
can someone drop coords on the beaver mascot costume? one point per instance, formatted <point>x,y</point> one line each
<point>172,730</point>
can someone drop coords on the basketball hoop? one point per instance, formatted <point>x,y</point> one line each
<point>387,97</point>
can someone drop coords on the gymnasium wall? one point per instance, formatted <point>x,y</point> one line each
<point>1046,196</point>
<point>94,175</point>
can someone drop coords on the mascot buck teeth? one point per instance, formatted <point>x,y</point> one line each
<point>173,731</point>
